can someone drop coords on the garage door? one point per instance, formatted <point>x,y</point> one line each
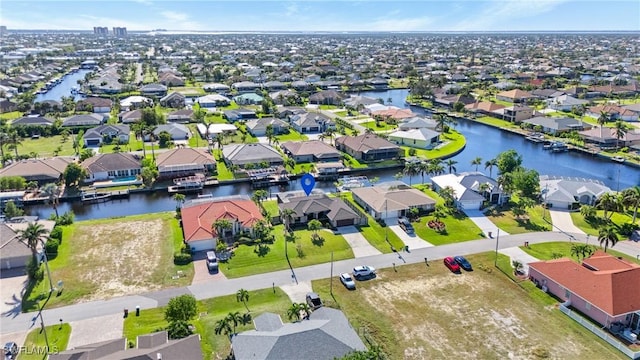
<point>95,142</point>
<point>345,222</point>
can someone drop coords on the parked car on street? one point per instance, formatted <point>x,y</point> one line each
<point>451,264</point>
<point>314,301</point>
<point>212,261</point>
<point>405,225</point>
<point>464,263</point>
<point>364,272</point>
<point>347,281</point>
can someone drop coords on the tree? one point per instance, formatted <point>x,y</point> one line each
<point>410,169</point>
<point>258,196</point>
<point>287,216</point>
<point>609,203</point>
<point>527,182</point>
<point>490,164</point>
<point>270,133</point>
<point>583,250</point>
<point>223,326</point>
<point>517,266</point>
<point>314,225</point>
<point>164,139</point>
<point>447,194</point>
<point>4,139</point>
<point>450,164</point>
<point>588,211</point>
<point>181,308</point>
<point>219,140</point>
<point>148,175</point>
<point>14,141</point>
<point>179,199</point>
<point>607,235</point>
<point>73,174</point>
<point>221,226</point>
<point>235,318</point>
<point>178,329</point>
<point>293,312</point>
<point>603,119</point>
<point>32,235</point>
<point>243,296</point>
<point>631,199</point>
<point>620,129</point>
<point>52,192</point>
<point>85,154</point>
<point>508,161</point>
<point>373,353</point>
<point>476,162</point>
<point>11,210</point>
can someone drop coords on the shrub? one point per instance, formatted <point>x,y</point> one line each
<point>412,152</point>
<point>66,218</point>
<point>627,229</point>
<point>178,329</point>
<point>181,258</point>
<point>56,233</point>
<point>51,248</point>
<point>33,270</point>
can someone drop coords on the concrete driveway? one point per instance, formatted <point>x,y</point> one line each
<point>297,292</point>
<point>412,241</point>
<point>202,273</point>
<point>98,329</point>
<point>515,253</point>
<point>358,243</point>
<point>12,287</point>
<point>483,222</point>
<point>562,222</point>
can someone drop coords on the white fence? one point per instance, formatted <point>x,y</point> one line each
<point>601,333</point>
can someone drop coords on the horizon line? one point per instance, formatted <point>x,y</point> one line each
<point>340,31</point>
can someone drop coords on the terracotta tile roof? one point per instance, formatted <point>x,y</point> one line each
<point>515,94</point>
<point>197,219</point>
<point>184,156</point>
<point>613,285</point>
<point>487,106</point>
<point>395,113</point>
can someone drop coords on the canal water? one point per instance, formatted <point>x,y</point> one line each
<point>64,87</point>
<point>482,141</point>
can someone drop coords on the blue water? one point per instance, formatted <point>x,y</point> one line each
<point>64,87</point>
<point>124,179</point>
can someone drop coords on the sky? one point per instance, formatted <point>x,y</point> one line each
<point>321,15</point>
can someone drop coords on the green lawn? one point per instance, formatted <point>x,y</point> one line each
<point>188,90</point>
<point>35,345</point>
<point>353,163</point>
<point>272,207</point>
<point>505,220</point>
<point>247,260</point>
<point>291,136</point>
<point>591,228</point>
<point>211,310</point>
<point>545,251</point>
<point>459,226</point>
<point>383,126</point>
<point>46,146</point>
<point>11,115</point>
<point>379,237</point>
<point>455,142</point>
<point>223,172</point>
<point>489,120</point>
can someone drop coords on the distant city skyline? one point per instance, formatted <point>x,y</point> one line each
<point>324,16</point>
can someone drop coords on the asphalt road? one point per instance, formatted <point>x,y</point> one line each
<point>215,288</point>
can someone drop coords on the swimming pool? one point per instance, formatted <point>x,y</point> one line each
<point>124,179</point>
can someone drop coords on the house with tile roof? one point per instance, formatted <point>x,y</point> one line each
<point>325,335</point>
<point>369,147</point>
<point>483,107</point>
<point>111,166</point>
<point>244,154</point>
<point>557,125</point>
<point>311,122</point>
<point>569,193</point>
<point>97,135</point>
<point>604,288</point>
<point>183,162</point>
<point>468,192</point>
<point>32,121</point>
<point>319,206</point>
<point>310,151</point>
<point>198,219</point>
<point>391,200</point>
<point>258,127</point>
<point>614,112</point>
<point>40,170</point>
<point>515,96</point>
<point>13,252</point>
<point>95,104</point>
<point>393,114</point>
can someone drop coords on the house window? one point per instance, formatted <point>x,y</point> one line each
<point>567,294</point>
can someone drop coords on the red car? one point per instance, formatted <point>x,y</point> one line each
<point>451,264</point>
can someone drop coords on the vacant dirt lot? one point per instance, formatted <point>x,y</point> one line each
<point>430,313</point>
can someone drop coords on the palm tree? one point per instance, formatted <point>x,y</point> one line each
<point>31,235</point>
<point>138,130</point>
<point>422,167</point>
<point>436,167</point>
<point>490,164</point>
<point>609,203</point>
<point>15,140</point>
<point>235,318</point>
<point>223,326</point>
<point>305,308</point>
<point>219,140</point>
<point>243,296</point>
<point>269,133</point>
<point>4,139</point>
<point>484,188</point>
<point>258,196</point>
<point>607,235</point>
<point>293,312</point>
<point>410,169</point>
<point>603,119</point>
<point>221,226</point>
<point>314,225</point>
<point>179,199</point>
<point>588,211</point>
<point>329,133</point>
<point>477,162</point>
<point>631,198</point>
<point>621,128</point>
<point>52,192</point>
<point>450,164</point>
<point>287,215</point>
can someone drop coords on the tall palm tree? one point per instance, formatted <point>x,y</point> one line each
<point>234,319</point>
<point>287,215</point>
<point>603,119</point>
<point>450,164</point>
<point>477,162</point>
<point>52,192</point>
<point>243,296</point>
<point>223,326</point>
<point>490,164</point>
<point>269,133</point>
<point>609,203</point>
<point>14,141</point>
<point>410,169</point>
<point>423,167</point>
<point>620,130</point>
<point>221,226</point>
<point>219,140</point>
<point>436,167</point>
<point>138,130</point>
<point>293,312</point>
<point>607,235</point>
<point>179,199</point>
<point>631,198</point>
<point>4,139</point>
<point>31,235</point>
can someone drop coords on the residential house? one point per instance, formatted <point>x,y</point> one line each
<point>514,113</point>
<point>40,170</point>
<point>357,101</point>
<point>135,102</point>
<point>369,147</point>
<point>301,85</point>
<point>94,137</point>
<point>239,114</point>
<point>7,105</point>
<point>557,125</point>
<point>326,97</point>
<point>417,138</point>
<point>311,122</point>
<point>153,90</point>
<point>183,162</point>
<point>180,116</point>
<point>393,114</point>
<point>32,121</point>
<point>633,107</point>
<point>111,166</point>
<point>614,112</point>
<point>310,151</point>
<point>391,200</point>
<point>212,130</point>
<point>565,103</point>
<point>177,131</point>
<point>547,93</point>
<point>471,189</point>
<point>129,117</point>
<point>170,80</point>
<point>198,218</point>
<point>569,193</point>
<point>318,206</point>
<point>151,346</point>
<point>328,170</point>
<point>484,107</point>
<point>244,154</point>
<point>379,83</point>
<point>245,86</point>
<point>325,335</point>
<point>248,99</point>
<point>417,122</point>
<point>216,87</point>
<point>284,97</point>
<point>95,104</point>
<point>274,86</point>
<point>604,288</point>
<point>515,96</point>
<point>451,100</point>
<point>174,100</point>
<point>258,127</point>
<point>212,101</point>
<point>83,120</point>
<point>14,252</point>
<point>606,137</point>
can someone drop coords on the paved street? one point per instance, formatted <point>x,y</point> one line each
<point>214,288</point>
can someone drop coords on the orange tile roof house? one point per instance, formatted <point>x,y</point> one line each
<point>514,96</point>
<point>40,170</point>
<point>603,287</point>
<point>198,218</point>
<point>369,147</point>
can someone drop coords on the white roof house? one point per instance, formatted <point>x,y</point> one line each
<point>567,192</point>
<point>215,129</point>
<point>134,101</point>
<point>419,138</point>
<point>466,188</point>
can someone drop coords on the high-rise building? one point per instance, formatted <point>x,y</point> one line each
<point>100,30</point>
<point>3,30</point>
<point>120,31</point>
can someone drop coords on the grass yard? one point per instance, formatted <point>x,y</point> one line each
<point>35,345</point>
<point>424,312</point>
<point>592,228</point>
<point>112,257</point>
<point>11,115</point>
<point>189,90</point>
<point>505,220</point>
<point>455,143</point>
<point>223,172</point>
<point>46,146</point>
<point>383,126</point>
<point>489,120</point>
<point>211,310</point>
<point>292,136</point>
<point>546,251</point>
<point>272,207</point>
<point>247,260</point>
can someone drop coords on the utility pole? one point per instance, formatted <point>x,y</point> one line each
<point>331,276</point>
<point>495,262</point>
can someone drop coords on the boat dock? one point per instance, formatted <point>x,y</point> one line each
<point>193,183</point>
<point>93,196</point>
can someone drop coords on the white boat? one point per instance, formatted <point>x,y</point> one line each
<point>193,183</point>
<point>93,196</point>
<point>618,159</point>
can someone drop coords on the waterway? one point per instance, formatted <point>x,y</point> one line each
<point>482,141</point>
<point>64,87</point>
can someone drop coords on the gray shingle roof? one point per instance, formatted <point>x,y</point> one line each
<point>250,153</point>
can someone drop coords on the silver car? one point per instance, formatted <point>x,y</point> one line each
<point>347,281</point>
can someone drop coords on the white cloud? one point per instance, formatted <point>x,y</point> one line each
<point>505,12</point>
<point>175,16</point>
<point>145,2</point>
